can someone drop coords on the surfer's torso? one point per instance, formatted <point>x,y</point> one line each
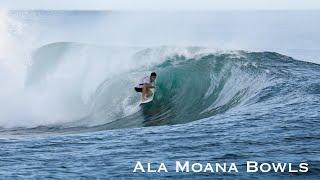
<point>141,82</point>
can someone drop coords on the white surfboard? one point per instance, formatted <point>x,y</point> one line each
<point>150,98</point>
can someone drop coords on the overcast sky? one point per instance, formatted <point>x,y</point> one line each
<point>159,4</point>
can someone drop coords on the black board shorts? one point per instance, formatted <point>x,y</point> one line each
<point>138,89</point>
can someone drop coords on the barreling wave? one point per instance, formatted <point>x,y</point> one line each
<point>93,85</point>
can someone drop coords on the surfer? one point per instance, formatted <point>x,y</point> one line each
<point>144,85</point>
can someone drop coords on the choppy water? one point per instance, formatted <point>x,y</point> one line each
<point>73,113</point>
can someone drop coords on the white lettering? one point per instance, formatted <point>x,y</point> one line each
<point>278,166</point>
<point>194,169</point>
<point>233,167</point>
<point>149,168</point>
<point>162,168</point>
<point>303,167</point>
<point>208,168</point>
<point>138,167</point>
<point>184,168</point>
<point>265,170</point>
<point>290,168</point>
<point>224,168</point>
<point>250,165</point>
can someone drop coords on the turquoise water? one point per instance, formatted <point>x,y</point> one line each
<point>71,112</point>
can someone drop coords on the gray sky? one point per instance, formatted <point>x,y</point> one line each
<point>160,4</point>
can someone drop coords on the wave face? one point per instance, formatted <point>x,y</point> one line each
<point>189,89</point>
<point>86,87</point>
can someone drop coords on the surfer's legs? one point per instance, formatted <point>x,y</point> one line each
<point>149,93</point>
<point>145,92</point>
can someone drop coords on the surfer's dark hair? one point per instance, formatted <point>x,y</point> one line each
<point>153,74</point>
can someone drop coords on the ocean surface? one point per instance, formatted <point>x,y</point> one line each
<point>232,87</point>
